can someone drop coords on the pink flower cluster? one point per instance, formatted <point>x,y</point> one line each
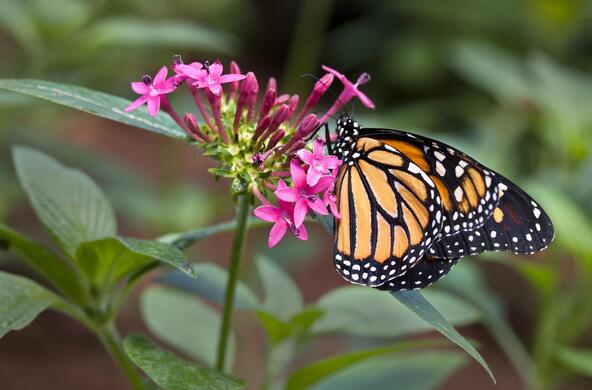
<point>271,134</point>
<point>313,181</point>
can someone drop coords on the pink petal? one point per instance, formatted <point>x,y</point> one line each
<point>318,206</point>
<point>167,87</point>
<point>331,162</point>
<point>298,174</point>
<point>215,70</point>
<point>190,71</point>
<point>340,76</point>
<point>300,233</point>
<point>153,105</point>
<point>318,147</point>
<point>229,78</point>
<point>276,233</point>
<point>365,100</point>
<point>287,194</point>
<point>267,213</point>
<point>305,156</point>
<point>323,184</point>
<point>140,88</point>
<point>161,75</point>
<point>216,88</point>
<point>136,103</point>
<point>313,176</point>
<point>300,211</point>
<point>334,209</point>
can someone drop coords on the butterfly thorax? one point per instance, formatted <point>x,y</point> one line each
<point>347,132</point>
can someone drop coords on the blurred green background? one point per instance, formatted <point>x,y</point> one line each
<point>508,82</point>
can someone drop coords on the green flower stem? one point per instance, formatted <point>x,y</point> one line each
<point>235,256</point>
<point>112,342</point>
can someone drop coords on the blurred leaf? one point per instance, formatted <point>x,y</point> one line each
<point>185,323</point>
<point>317,371</point>
<point>9,100</point>
<point>107,260</point>
<point>21,300</point>
<point>70,205</point>
<point>578,360</point>
<point>210,285</point>
<point>282,297</point>
<point>467,282</point>
<point>572,225</point>
<point>72,13</point>
<point>417,371</point>
<point>490,68</point>
<point>276,330</point>
<point>47,264</point>
<point>173,373</point>
<point>363,311</point>
<point>96,103</point>
<point>415,302</point>
<point>15,19</point>
<point>130,31</point>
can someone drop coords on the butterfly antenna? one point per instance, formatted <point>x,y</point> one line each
<point>330,91</point>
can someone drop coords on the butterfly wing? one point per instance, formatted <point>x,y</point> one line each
<point>484,211</point>
<point>389,214</point>
<point>467,188</point>
<point>429,270</point>
<point>518,225</point>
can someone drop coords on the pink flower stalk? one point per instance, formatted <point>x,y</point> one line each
<point>304,196</point>
<point>152,91</point>
<point>350,90</point>
<point>319,164</point>
<point>282,217</point>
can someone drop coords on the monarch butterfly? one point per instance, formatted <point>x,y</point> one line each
<point>412,206</point>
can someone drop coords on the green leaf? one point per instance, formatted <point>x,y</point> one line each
<point>96,103</point>
<point>417,371</point>
<point>578,360</point>
<point>415,302</point>
<point>47,264</point>
<point>316,372</point>
<point>282,297</point>
<point>134,32</point>
<point>276,330</point>
<point>21,300</point>
<point>363,311</point>
<point>173,373</point>
<point>211,285</point>
<point>184,322</point>
<point>107,260</point>
<point>68,202</point>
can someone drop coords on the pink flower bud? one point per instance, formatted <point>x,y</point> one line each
<point>279,117</point>
<point>318,91</point>
<point>275,138</point>
<point>293,105</point>
<point>261,127</point>
<point>308,125</point>
<point>281,99</point>
<point>272,84</point>
<point>193,128</point>
<point>248,88</point>
<point>268,101</point>
<point>234,69</point>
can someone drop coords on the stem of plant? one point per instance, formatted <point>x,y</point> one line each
<point>235,256</point>
<point>111,340</point>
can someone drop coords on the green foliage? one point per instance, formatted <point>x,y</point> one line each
<point>282,297</point>
<point>185,323</point>
<point>68,202</point>
<point>173,373</point>
<point>579,360</point>
<point>46,263</point>
<point>21,300</point>
<point>416,371</point>
<point>96,103</point>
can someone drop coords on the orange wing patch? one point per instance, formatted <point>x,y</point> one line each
<point>363,217</point>
<point>413,152</point>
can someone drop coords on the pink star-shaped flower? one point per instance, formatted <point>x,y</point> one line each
<point>282,217</point>
<point>211,77</point>
<point>320,165</point>
<point>152,91</point>
<point>304,196</point>
<point>192,71</point>
<point>350,89</point>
